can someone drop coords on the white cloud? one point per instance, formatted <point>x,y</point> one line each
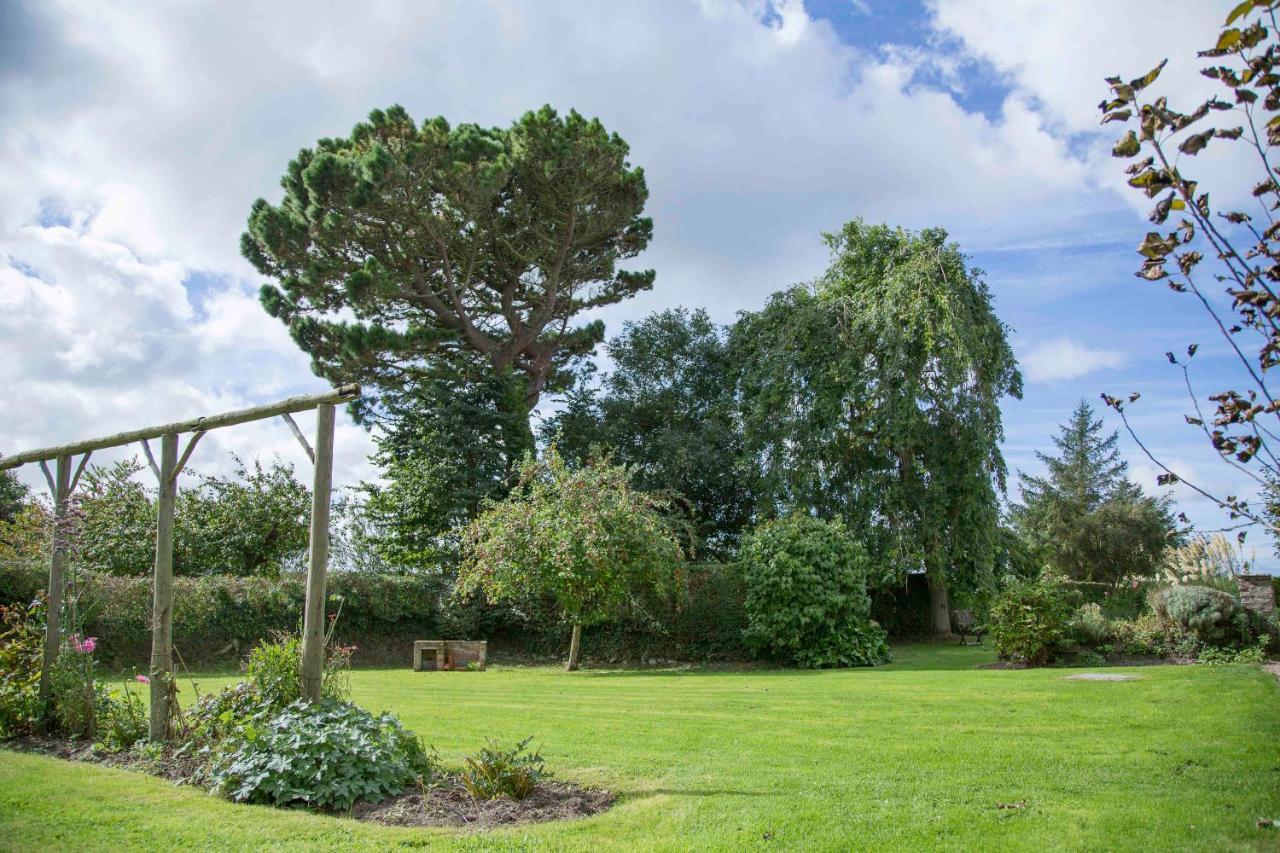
<point>1062,358</point>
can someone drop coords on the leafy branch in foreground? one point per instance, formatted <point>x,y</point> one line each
<point>1238,250</point>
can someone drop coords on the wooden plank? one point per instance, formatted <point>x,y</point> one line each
<point>313,624</point>
<point>162,592</point>
<point>240,416</point>
<point>61,482</point>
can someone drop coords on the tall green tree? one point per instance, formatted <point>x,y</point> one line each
<point>581,535</point>
<point>448,446</point>
<point>1084,518</point>
<point>402,245</point>
<point>666,411</point>
<point>874,397</point>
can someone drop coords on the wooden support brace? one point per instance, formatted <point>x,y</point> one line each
<point>84,460</point>
<point>186,454</point>
<point>151,460</point>
<point>297,433</point>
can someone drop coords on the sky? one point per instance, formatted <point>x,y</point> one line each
<point>137,135</point>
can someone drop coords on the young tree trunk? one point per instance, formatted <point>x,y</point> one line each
<point>575,646</point>
<point>939,605</point>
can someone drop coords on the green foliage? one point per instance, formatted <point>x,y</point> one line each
<point>1090,627</point>
<point>73,687</point>
<point>1029,620</point>
<point>446,447</point>
<point>326,755</point>
<point>874,398</point>
<point>121,719</point>
<point>666,410</point>
<point>583,537</point>
<point>13,496</point>
<point>1085,519</point>
<point>214,717</point>
<point>254,523</point>
<point>503,237</point>
<point>21,655</point>
<point>1209,613</point>
<point>1218,656</point>
<point>274,668</point>
<point>1150,635</point>
<point>807,600</point>
<point>496,772</point>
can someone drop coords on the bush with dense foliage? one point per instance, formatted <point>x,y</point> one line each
<point>1209,613</point>
<point>325,754</point>
<point>807,601</point>
<point>21,653</point>
<point>496,771</point>
<point>1030,619</point>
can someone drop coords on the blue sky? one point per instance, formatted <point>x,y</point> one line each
<point>137,135</point>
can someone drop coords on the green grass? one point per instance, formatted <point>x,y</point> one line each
<point>914,755</point>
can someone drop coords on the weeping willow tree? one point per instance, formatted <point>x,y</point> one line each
<point>873,396</point>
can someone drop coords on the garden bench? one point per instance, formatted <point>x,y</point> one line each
<point>962,621</point>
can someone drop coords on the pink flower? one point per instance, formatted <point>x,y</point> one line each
<point>142,679</point>
<point>89,644</point>
<point>74,642</point>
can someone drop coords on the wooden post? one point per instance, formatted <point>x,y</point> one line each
<point>60,488</point>
<point>313,627</point>
<point>162,591</point>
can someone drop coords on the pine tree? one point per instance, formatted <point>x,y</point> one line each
<point>1084,518</point>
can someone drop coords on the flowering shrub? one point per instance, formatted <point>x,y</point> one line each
<point>326,754</point>
<point>21,652</point>
<point>74,687</point>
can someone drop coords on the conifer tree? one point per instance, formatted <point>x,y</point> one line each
<point>1084,518</point>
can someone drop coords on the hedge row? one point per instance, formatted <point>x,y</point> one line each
<point>217,618</point>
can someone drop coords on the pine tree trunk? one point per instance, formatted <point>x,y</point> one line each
<point>575,646</point>
<point>939,606</point>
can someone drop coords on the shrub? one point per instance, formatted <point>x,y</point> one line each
<point>496,772</point>
<point>326,754</point>
<point>216,716</point>
<point>1029,620</point>
<point>274,668</point>
<point>1209,613</point>
<point>21,653</point>
<point>1090,627</point>
<point>807,597</point>
<point>121,719</point>
<point>1150,635</point>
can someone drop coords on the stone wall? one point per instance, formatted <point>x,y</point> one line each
<point>1257,594</point>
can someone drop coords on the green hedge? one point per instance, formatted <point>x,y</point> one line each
<point>217,618</point>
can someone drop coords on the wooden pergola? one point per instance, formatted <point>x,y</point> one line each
<point>62,483</point>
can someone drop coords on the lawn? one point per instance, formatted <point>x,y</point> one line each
<point>918,754</point>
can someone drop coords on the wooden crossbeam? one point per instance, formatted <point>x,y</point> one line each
<point>202,424</point>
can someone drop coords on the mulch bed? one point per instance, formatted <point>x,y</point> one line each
<point>447,803</point>
<point>443,803</point>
